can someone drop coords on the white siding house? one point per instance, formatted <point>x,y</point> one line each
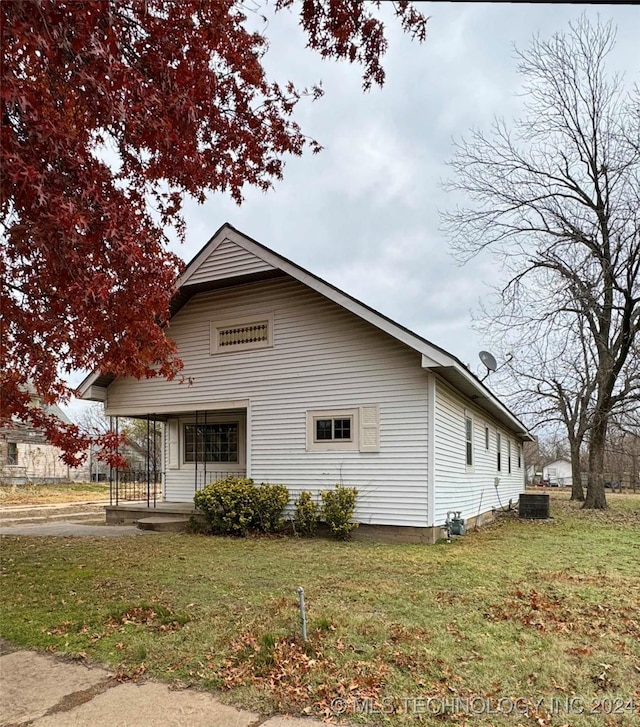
<point>292,381</point>
<point>558,472</point>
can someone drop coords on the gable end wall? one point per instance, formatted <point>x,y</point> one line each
<point>228,260</point>
<point>323,357</point>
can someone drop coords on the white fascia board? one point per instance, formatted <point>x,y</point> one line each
<point>206,251</point>
<point>435,360</point>
<point>86,385</point>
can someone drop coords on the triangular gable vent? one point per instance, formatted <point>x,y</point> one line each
<point>227,260</point>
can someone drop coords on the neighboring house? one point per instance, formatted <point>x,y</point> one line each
<point>137,459</point>
<point>530,473</point>
<point>27,457</point>
<point>558,472</point>
<point>293,381</point>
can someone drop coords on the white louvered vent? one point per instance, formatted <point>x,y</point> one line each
<point>242,334</point>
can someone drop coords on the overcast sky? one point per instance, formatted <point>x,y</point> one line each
<point>364,214</point>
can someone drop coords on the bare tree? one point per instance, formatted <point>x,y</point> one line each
<point>143,435</point>
<point>549,379</point>
<point>557,199</point>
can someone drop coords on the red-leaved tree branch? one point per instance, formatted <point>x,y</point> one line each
<point>112,112</point>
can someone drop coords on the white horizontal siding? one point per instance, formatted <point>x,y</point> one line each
<point>470,490</point>
<point>228,260</point>
<point>323,357</point>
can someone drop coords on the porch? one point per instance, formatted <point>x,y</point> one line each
<point>181,453</point>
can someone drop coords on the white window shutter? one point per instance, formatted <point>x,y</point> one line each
<point>173,436</point>
<point>369,429</point>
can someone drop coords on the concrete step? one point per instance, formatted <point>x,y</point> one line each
<point>164,523</point>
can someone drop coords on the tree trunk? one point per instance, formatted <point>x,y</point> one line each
<point>577,492</point>
<point>596,499</point>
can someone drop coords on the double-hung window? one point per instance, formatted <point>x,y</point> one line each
<point>498,451</point>
<point>468,433</point>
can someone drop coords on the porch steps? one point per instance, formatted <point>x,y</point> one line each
<point>164,523</point>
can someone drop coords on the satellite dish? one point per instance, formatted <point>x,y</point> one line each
<point>488,360</point>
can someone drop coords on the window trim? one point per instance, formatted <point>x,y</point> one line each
<point>333,445</point>
<point>508,456</point>
<point>519,456</point>
<point>12,454</point>
<point>486,438</point>
<point>178,425</point>
<point>469,427</point>
<point>498,451</point>
<point>239,321</point>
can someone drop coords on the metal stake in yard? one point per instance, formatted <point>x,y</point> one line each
<point>303,615</point>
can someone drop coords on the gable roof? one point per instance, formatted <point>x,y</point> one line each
<point>232,258</point>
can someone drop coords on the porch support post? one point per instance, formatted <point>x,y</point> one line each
<point>118,467</point>
<point>195,455</point>
<point>148,464</point>
<point>110,471</point>
<point>155,454</point>
<point>204,450</point>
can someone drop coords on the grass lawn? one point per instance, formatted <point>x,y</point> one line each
<point>48,494</point>
<point>535,614</point>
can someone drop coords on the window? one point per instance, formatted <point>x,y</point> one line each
<point>211,442</point>
<point>333,429</point>
<point>498,451</point>
<point>519,457</point>
<point>12,453</point>
<point>509,456</point>
<point>486,438</point>
<point>468,430</point>
<point>242,334</point>
<point>355,429</point>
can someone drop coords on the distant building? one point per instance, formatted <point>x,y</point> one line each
<point>27,457</point>
<point>558,472</point>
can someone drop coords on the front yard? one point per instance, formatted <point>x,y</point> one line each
<point>49,494</point>
<point>520,623</point>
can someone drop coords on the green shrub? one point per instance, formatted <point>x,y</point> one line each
<point>235,505</point>
<point>228,505</point>
<point>337,510</point>
<point>269,504</point>
<point>305,516</point>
